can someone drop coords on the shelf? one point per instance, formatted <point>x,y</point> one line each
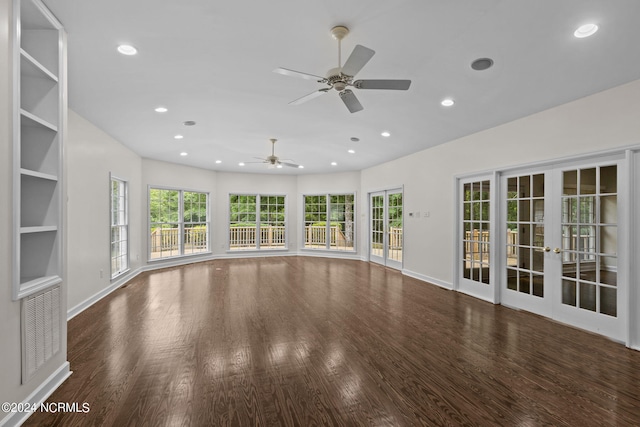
<point>32,285</point>
<point>35,174</point>
<point>39,229</point>
<point>39,149</point>
<point>33,120</point>
<point>29,66</point>
<point>39,108</point>
<point>39,202</point>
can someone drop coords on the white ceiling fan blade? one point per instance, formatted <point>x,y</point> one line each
<point>358,59</point>
<point>382,84</point>
<point>293,73</point>
<point>310,96</point>
<point>291,165</point>
<point>350,100</point>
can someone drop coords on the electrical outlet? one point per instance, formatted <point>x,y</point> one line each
<point>427,214</point>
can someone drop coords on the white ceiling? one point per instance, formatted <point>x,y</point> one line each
<point>212,61</point>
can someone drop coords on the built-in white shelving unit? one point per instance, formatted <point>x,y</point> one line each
<point>39,58</point>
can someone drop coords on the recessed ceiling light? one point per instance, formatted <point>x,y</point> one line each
<point>127,49</point>
<point>385,134</point>
<point>178,137</point>
<point>241,164</point>
<point>334,164</point>
<point>481,64</point>
<point>585,30</point>
<point>184,154</point>
<point>300,167</point>
<point>218,162</point>
<point>448,102</point>
<point>351,151</point>
<point>161,110</point>
<point>279,166</point>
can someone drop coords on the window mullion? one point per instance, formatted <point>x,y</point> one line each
<point>327,224</point>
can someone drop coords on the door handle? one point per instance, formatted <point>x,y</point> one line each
<point>557,251</point>
<point>547,248</point>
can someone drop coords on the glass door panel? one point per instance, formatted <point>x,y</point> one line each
<point>590,239</point>
<point>377,244</point>
<point>386,238</point>
<point>394,227</point>
<point>475,233</point>
<point>525,248</point>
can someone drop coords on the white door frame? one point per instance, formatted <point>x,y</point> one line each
<point>384,259</point>
<point>628,328</point>
<point>484,291</point>
<point>551,304</point>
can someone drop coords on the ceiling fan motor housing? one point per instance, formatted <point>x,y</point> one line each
<point>336,79</point>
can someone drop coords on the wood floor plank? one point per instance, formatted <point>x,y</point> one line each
<point>303,341</point>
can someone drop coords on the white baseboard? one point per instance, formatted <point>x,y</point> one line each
<point>428,279</point>
<point>38,396</point>
<point>74,311</point>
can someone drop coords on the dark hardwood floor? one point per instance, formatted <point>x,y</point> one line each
<point>301,341</point>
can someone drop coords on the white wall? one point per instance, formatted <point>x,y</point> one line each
<point>604,120</point>
<point>91,156</point>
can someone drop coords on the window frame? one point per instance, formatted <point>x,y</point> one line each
<point>258,214</point>
<point>180,223</point>
<point>123,186</point>
<point>327,215</point>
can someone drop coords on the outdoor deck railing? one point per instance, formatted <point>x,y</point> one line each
<point>168,239</point>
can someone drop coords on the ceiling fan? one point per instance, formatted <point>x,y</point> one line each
<point>341,77</point>
<point>273,161</point>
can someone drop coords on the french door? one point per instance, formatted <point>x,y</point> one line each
<point>561,245</point>
<point>386,228</point>
<point>475,232</point>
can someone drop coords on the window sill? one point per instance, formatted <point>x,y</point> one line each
<point>120,273</point>
<point>333,251</point>
<point>179,256</point>
<point>244,251</point>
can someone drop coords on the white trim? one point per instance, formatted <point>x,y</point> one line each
<point>38,396</point>
<point>593,155</point>
<point>302,239</point>
<point>180,222</point>
<point>122,279</point>
<point>321,253</point>
<point>430,280</point>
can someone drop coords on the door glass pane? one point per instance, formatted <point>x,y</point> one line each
<point>476,238</point>
<point>568,292</point>
<point>394,203</point>
<point>377,226</point>
<point>525,234</point>
<point>588,181</point>
<point>570,183</point>
<point>590,239</point>
<point>609,179</point>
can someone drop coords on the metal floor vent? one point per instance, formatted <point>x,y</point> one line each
<point>40,330</point>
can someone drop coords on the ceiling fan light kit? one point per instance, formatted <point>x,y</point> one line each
<point>341,78</point>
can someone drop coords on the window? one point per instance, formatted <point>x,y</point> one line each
<point>119,228</point>
<point>329,221</point>
<point>257,222</point>
<point>178,223</point>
